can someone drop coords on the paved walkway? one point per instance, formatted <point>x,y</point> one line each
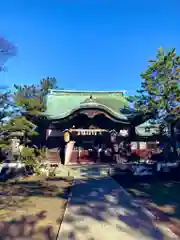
<point>99,209</point>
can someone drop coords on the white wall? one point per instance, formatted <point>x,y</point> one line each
<point>54,133</point>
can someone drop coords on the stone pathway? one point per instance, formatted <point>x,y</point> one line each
<point>99,209</point>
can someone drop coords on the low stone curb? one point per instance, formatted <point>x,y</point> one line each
<point>67,204</point>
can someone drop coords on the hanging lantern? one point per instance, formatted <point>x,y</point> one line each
<point>66,136</point>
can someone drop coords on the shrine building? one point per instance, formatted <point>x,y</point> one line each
<point>89,127</point>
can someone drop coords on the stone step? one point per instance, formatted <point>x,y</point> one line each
<point>88,170</point>
<point>117,171</point>
<point>82,171</point>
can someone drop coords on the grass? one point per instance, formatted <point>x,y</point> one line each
<point>33,208</point>
<point>162,198</point>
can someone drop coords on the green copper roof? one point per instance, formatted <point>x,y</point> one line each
<point>61,104</point>
<point>147,129</point>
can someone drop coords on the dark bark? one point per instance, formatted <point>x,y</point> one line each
<point>173,138</point>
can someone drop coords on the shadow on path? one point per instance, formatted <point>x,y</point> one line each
<point>99,209</point>
<point>160,196</point>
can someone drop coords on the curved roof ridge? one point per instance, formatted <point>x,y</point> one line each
<point>86,91</point>
<point>60,102</point>
<point>101,107</point>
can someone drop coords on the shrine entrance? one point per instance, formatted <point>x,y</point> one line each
<point>91,146</point>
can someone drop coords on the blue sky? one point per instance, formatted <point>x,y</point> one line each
<point>87,44</point>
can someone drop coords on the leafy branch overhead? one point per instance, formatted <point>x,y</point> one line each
<point>160,93</point>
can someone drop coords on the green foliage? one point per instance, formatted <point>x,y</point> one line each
<point>16,126</point>
<point>6,110</point>
<point>31,98</point>
<point>5,143</point>
<point>34,158</point>
<point>160,92</point>
<point>23,107</point>
<point>4,105</point>
<point>20,123</point>
<point>31,101</point>
<point>48,83</point>
<point>29,158</point>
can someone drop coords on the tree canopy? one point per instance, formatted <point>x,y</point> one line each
<point>4,105</point>
<point>21,108</point>
<point>160,92</point>
<point>31,98</point>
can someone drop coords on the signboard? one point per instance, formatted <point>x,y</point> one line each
<point>98,132</point>
<point>88,132</point>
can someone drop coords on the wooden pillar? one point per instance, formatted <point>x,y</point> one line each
<point>68,152</point>
<point>132,133</point>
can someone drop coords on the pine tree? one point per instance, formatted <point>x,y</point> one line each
<point>31,100</point>
<point>5,112</point>
<point>160,93</point>
<point>7,50</point>
<point>4,106</point>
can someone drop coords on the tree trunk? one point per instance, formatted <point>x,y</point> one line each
<point>173,138</point>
